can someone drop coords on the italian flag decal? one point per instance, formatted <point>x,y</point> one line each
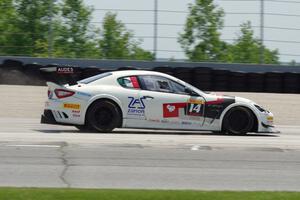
<point>131,82</point>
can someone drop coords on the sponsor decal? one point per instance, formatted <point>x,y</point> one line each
<point>76,115</point>
<point>130,82</point>
<point>172,109</point>
<point>71,106</point>
<point>192,107</point>
<point>169,121</point>
<point>136,106</point>
<point>270,119</point>
<point>218,101</point>
<point>65,70</point>
<point>196,101</point>
<point>84,94</point>
<point>153,120</point>
<point>214,109</point>
<point>186,123</point>
<point>195,107</point>
<point>75,111</point>
<point>134,82</point>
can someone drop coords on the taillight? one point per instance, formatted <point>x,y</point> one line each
<point>61,93</point>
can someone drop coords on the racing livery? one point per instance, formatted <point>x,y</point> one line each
<point>146,99</point>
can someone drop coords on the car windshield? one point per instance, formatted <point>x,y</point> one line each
<point>190,86</point>
<point>94,78</point>
<point>195,89</point>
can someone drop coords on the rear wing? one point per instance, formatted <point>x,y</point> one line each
<point>53,86</point>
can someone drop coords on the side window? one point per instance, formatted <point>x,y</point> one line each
<point>163,85</point>
<point>129,82</point>
<point>148,83</point>
<point>155,83</point>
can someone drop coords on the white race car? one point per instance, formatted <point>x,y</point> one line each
<point>147,99</point>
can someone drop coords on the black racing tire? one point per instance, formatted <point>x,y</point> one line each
<point>238,121</point>
<point>84,128</point>
<point>103,116</point>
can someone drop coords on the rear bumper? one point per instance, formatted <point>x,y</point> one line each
<point>48,118</point>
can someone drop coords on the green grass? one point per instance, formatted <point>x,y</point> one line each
<point>107,194</point>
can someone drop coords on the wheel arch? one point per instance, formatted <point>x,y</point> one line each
<point>110,98</point>
<point>249,107</point>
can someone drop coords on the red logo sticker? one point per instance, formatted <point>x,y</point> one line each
<point>172,109</point>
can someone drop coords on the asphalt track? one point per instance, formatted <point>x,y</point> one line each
<point>38,155</point>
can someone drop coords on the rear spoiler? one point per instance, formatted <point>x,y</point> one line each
<point>53,86</point>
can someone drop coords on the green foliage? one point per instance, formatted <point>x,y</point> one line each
<point>201,37</point>
<point>117,42</point>
<point>247,48</point>
<point>7,15</point>
<point>32,21</point>
<point>24,28</point>
<point>74,35</point>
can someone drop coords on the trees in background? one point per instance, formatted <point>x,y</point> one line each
<point>75,37</point>
<point>63,28</point>
<point>7,15</point>
<point>201,38</point>
<point>246,48</point>
<point>117,42</point>
<point>32,28</point>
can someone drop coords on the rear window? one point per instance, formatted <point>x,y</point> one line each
<point>94,78</point>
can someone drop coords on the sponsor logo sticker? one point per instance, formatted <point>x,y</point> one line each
<point>84,94</point>
<point>71,106</point>
<point>136,107</point>
<point>65,70</point>
<point>270,118</point>
<point>193,107</point>
<point>172,109</point>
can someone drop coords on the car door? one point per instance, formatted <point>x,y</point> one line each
<point>132,105</point>
<point>168,105</point>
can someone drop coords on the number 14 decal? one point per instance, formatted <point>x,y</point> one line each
<point>195,109</point>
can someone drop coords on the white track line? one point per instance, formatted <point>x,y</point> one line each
<point>33,145</point>
<point>195,147</point>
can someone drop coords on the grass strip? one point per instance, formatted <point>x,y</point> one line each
<point>111,194</point>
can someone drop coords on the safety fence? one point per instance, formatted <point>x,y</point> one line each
<point>205,78</point>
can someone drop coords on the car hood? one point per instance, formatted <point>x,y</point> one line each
<point>243,100</point>
<point>235,98</point>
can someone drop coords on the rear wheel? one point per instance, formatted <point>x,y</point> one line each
<point>103,116</point>
<point>83,128</point>
<point>238,121</point>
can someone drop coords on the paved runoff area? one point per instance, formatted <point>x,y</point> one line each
<point>39,155</point>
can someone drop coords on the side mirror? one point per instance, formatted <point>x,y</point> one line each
<point>190,92</point>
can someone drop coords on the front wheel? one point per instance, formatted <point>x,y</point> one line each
<point>103,116</point>
<point>238,121</point>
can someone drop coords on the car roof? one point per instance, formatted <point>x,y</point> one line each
<point>137,72</point>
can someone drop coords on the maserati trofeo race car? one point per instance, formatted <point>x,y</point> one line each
<point>147,99</point>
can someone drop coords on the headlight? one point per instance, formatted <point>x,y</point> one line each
<point>260,108</point>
